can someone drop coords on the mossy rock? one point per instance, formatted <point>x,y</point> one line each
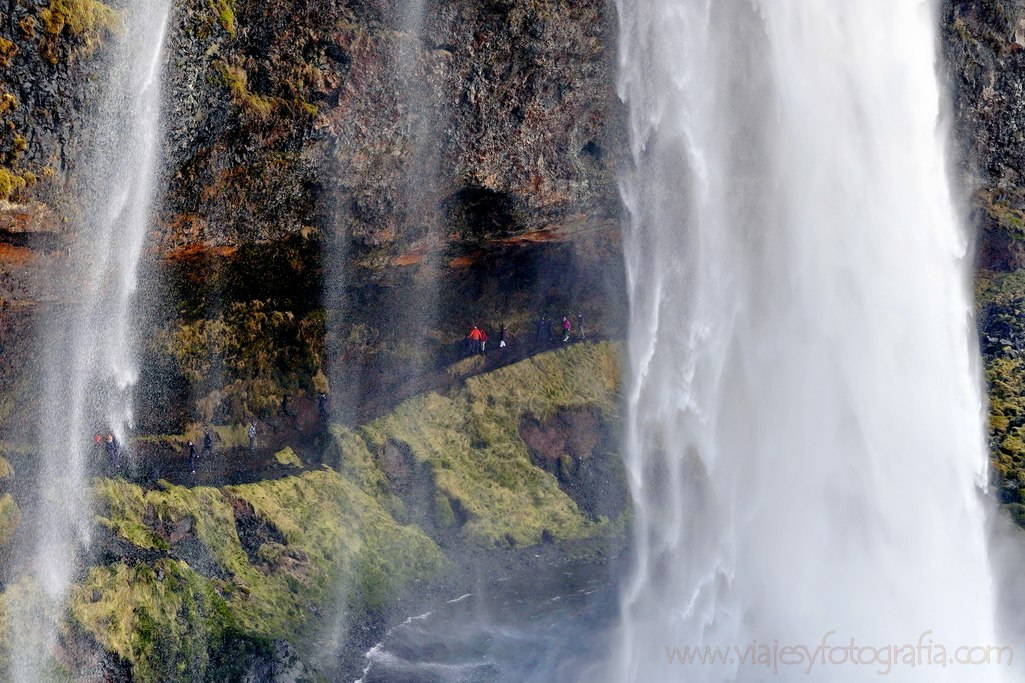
<point>10,518</point>
<point>162,616</point>
<point>286,456</point>
<point>6,471</point>
<point>480,464</point>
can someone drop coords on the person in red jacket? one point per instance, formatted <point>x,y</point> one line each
<point>566,327</point>
<point>475,339</point>
<point>483,341</point>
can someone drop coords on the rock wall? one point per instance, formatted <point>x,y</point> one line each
<point>984,50</point>
<point>330,167</point>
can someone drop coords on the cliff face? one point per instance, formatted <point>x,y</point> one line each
<point>347,188</point>
<point>393,133</point>
<point>984,47</point>
<point>359,183</point>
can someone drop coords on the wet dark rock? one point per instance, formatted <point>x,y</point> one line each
<point>578,447</point>
<point>986,76</point>
<point>254,531</point>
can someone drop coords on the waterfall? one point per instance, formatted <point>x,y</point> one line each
<point>804,431</point>
<point>89,341</point>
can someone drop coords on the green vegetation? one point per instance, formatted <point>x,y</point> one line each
<point>243,361</point>
<point>263,106</point>
<point>89,19</point>
<point>10,518</point>
<point>471,443</point>
<point>8,102</point>
<point>7,52</point>
<point>88,23</point>
<point>1001,299</point>
<point>1010,219</point>
<point>11,183</point>
<point>286,456</point>
<point>225,11</point>
<point>237,80</point>
<point>279,548</point>
<point>201,580</point>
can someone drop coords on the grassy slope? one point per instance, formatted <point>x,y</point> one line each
<point>1002,310</point>
<point>173,621</point>
<point>472,444</point>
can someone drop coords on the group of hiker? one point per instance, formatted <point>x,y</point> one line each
<point>548,328</point>
<point>208,448</point>
<point>477,340</point>
<point>111,446</point>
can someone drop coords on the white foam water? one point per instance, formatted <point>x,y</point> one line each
<point>89,343</point>
<point>805,427</point>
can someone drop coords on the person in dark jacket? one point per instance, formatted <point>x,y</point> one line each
<point>252,437</point>
<point>192,456</point>
<point>501,336</point>
<point>208,443</point>
<point>113,452</point>
<point>322,406</point>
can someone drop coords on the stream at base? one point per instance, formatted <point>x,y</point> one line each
<point>549,626</point>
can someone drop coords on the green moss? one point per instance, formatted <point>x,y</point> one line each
<point>10,518</point>
<point>1001,298</point>
<point>27,27</point>
<point>471,442</point>
<point>7,52</point>
<point>1010,219</point>
<point>90,19</point>
<point>11,184</point>
<point>8,102</point>
<point>237,80</point>
<point>242,362</point>
<point>332,534</point>
<point>163,618</point>
<point>225,11</point>
<point>286,456</point>
<point>444,516</point>
<point>229,570</point>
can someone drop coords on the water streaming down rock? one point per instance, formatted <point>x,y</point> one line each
<point>421,111</point>
<point>804,431</point>
<point>90,343</point>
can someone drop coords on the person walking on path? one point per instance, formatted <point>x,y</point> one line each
<point>542,323</point>
<point>208,444</point>
<point>483,342</point>
<point>192,456</point>
<point>475,340</point>
<point>566,327</point>
<point>252,437</point>
<point>580,326</point>
<point>322,406</point>
<point>501,336</point>
<point>113,452</point>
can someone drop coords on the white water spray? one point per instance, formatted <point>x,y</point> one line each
<point>805,436</point>
<point>91,363</point>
